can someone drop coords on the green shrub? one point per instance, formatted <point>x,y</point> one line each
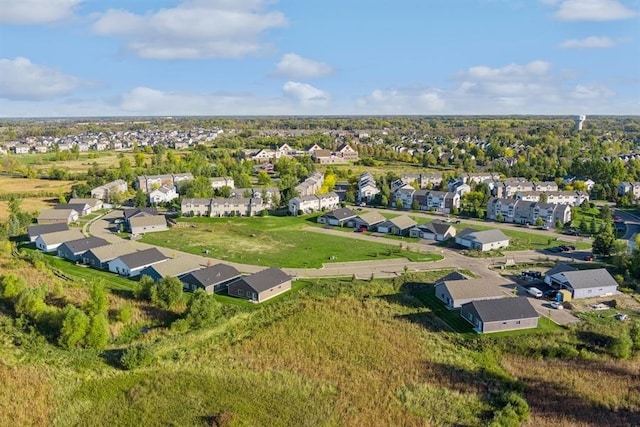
<point>125,314</point>
<point>622,346</point>
<point>136,357</point>
<point>75,325</point>
<point>98,333</point>
<point>11,286</point>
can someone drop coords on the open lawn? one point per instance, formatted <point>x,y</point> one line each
<point>272,241</point>
<point>43,162</point>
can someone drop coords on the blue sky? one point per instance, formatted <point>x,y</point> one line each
<point>328,57</point>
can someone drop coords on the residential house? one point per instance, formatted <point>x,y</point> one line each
<point>545,186</point>
<point>195,207</point>
<point>212,279</point>
<point>558,268</point>
<point>50,216</point>
<point>454,293</point>
<point>73,249</point>
<point>93,204</point>
<point>526,212</point>
<point>311,185</point>
<point>423,180</point>
<point>368,220</point>
<point>260,286</point>
<point>174,267</point>
<point>436,230</point>
<point>147,224</point>
<point>82,208</point>
<point>314,203</point>
<point>33,231</point>
<point>148,183</point>
<point>509,187</point>
<point>164,194</point>
<point>482,240</point>
<point>497,315</point>
<point>50,242</point>
<point>458,187</point>
<point>586,283</point>
<point>347,153</point>
<point>132,264</point>
<point>222,181</point>
<point>572,198</point>
<point>367,188</point>
<point>399,226</point>
<point>337,217</point>
<point>404,196</point>
<point>99,257</point>
<point>238,206</point>
<point>629,187</point>
<point>106,191</point>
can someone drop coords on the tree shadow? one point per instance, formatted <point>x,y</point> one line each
<point>427,320</point>
<point>594,341</point>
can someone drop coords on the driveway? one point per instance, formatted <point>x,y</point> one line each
<point>561,317</point>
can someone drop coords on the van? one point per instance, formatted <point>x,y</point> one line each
<point>535,292</point>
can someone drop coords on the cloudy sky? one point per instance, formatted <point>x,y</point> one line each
<point>269,57</point>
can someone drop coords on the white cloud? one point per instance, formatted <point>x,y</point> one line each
<point>294,66</point>
<point>20,79</point>
<point>305,94</point>
<point>194,29</point>
<point>532,88</point>
<point>36,11</point>
<point>593,10</point>
<point>591,42</point>
<point>402,101</point>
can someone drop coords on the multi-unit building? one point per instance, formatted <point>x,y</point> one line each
<point>104,192</point>
<point>219,207</point>
<point>525,212</point>
<point>367,188</point>
<point>423,180</point>
<point>314,203</point>
<point>311,185</point>
<point>342,155</point>
<point>509,187</point>
<point>148,183</point>
<point>629,187</point>
<point>222,181</point>
<point>572,198</point>
<point>163,194</point>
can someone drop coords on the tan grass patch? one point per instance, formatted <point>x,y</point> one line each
<point>26,186</point>
<point>579,392</point>
<point>25,397</point>
<point>28,205</point>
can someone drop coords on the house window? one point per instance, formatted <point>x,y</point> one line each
<point>517,322</point>
<point>240,292</point>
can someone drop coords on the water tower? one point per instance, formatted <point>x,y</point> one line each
<point>579,121</point>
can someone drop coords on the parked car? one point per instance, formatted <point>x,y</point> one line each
<point>571,247</point>
<point>564,248</point>
<point>621,316</point>
<point>535,292</point>
<point>557,305</point>
<point>588,258</point>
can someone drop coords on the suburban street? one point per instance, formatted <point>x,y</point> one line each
<point>631,222</point>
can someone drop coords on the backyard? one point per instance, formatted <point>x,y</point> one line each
<point>272,241</point>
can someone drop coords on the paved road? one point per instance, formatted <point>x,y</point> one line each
<point>631,222</point>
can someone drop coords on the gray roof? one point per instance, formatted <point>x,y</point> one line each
<point>213,275</point>
<point>61,214</point>
<point>84,244</point>
<point>475,288</point>
<point>484,237</point>
<point>560,268</point>
<point>266,279</point>
<point>340,214</point>
<point>138,259</point>
<point>89,201</point>
<point>78,207</point>
<point>585,279</point>
<point>37,230</point>
<point>109,252</point>
<point>372,218</point>
<point>61,236</point>
<point>176,266</point>
<point>439,227</point>
<point>133,212</point>
<point>501,309</point>
<point>454,275</point>
<point>403,222</point>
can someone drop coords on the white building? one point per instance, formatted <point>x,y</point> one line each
<point>163,194</point>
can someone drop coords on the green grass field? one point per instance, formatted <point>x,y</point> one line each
<point>273,241</point>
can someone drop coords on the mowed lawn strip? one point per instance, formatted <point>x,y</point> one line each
<point>272,241</point>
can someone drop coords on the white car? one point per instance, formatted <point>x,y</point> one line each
<point>557,305</point>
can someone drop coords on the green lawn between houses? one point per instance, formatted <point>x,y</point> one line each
<point>273,241</point>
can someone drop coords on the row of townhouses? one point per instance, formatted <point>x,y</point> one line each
<point>367,188</point>
<point>148,183</point>
<point>629,187</point>
<point>314,203</point>
<point>220,207</point>
<point>311,185</point>
<point>527,212</point>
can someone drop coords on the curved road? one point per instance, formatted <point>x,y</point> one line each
<point>362,269</point>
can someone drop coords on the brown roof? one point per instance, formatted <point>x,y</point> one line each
<point>142,221</point>
<point>61,236</point>
<point>475,288</point>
